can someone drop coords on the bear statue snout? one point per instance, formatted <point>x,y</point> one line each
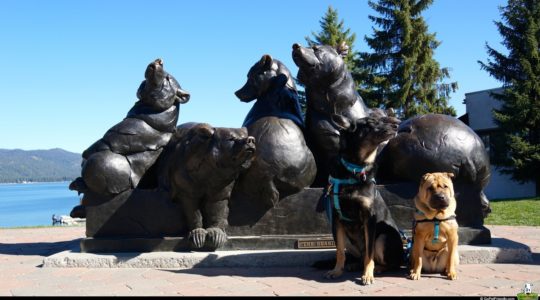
<point>246,93</point>
<point>304,57</point>
<point>182,96</point>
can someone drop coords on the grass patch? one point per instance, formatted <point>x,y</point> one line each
<point>524,211</point>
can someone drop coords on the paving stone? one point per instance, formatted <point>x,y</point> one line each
<point>20,274</point>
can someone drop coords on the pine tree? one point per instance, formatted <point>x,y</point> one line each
<point>333,34</point>
<point>519,71</point>
<point>401,73</point>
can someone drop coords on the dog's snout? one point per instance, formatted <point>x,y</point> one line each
<point>440,197</point>
<point>439,201</point>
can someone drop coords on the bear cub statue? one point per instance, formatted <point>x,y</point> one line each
<point>116,162</point>
<point>200,165</point>
<point>283,163</point>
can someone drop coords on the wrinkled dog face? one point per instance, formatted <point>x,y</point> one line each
<point>318,64</point>
<point>436,190</point>
<point>221,148</point>
<point>160,88</point>
<point>262,76</point>
<point>359,139</point>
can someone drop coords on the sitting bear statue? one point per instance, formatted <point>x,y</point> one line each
<point>330,89</point>
<point>199,167</point>
<point>283,163</point>
<point>116,162</point>
<point>440,143</point>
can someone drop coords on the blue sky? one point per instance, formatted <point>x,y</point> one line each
<point>70,69</point>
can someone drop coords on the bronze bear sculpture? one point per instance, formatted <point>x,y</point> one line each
<point>424,144</point>
<point>199,168</point>
<point>440,143</point>
<point>330,89</point>
<point>283,164</point>
<point>116,162</point>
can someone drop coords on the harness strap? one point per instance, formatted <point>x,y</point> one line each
<point>336,182</point>
<point>436,223</point>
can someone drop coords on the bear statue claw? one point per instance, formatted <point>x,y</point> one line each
<point>197,237</point>
<point>215,237</point>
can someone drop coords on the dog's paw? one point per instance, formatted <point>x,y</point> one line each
<point>197,237</point>
<point>414,276</point>
<point>452,275</point>
<point>335,273</point>
<point>215,237</point>
<point>367,279</point>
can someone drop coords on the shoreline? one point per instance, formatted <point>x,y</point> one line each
<point>32,182</point>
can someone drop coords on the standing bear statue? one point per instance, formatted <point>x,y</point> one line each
<point>330,89</point>
<point>283,163</point>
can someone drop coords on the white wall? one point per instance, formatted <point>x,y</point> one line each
<point>502,186</point>
<point>479,106</point>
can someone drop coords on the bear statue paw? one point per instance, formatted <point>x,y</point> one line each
<point>197,237</point>
<point>216,238</point>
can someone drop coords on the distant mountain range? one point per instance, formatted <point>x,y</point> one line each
<point>39,165</point>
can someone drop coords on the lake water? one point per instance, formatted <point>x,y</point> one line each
<point>34,204</point>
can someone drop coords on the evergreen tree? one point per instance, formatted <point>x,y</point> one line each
<point>519,71</point>
<point>333,34</point>
<point>401,73</point>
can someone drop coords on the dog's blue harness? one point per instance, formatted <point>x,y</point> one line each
<point>335,183</point>
<point>436,223</point>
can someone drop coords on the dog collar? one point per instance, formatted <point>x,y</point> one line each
<point>353,168</point>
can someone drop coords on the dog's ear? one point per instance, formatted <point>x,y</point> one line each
<point>426,177</point>
<point>450,175</point>
<point>342,122</point>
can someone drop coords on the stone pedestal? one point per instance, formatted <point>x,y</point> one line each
<point>146,220</point>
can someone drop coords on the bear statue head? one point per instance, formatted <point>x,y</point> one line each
<point>160,90</point>
<point>265,75</point>
<point>210,152</point>
<point>318,65</point>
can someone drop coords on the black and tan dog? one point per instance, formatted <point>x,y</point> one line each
<point>361,221</point>
<point>435,233</point>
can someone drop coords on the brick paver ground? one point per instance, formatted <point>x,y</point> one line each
<point>22,252</point>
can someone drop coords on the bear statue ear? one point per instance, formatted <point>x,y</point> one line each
<point>280,81</point>
<point>266,61</point>
<point>204,131</point>
<point>341,122</point>
<point>342,49</point>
